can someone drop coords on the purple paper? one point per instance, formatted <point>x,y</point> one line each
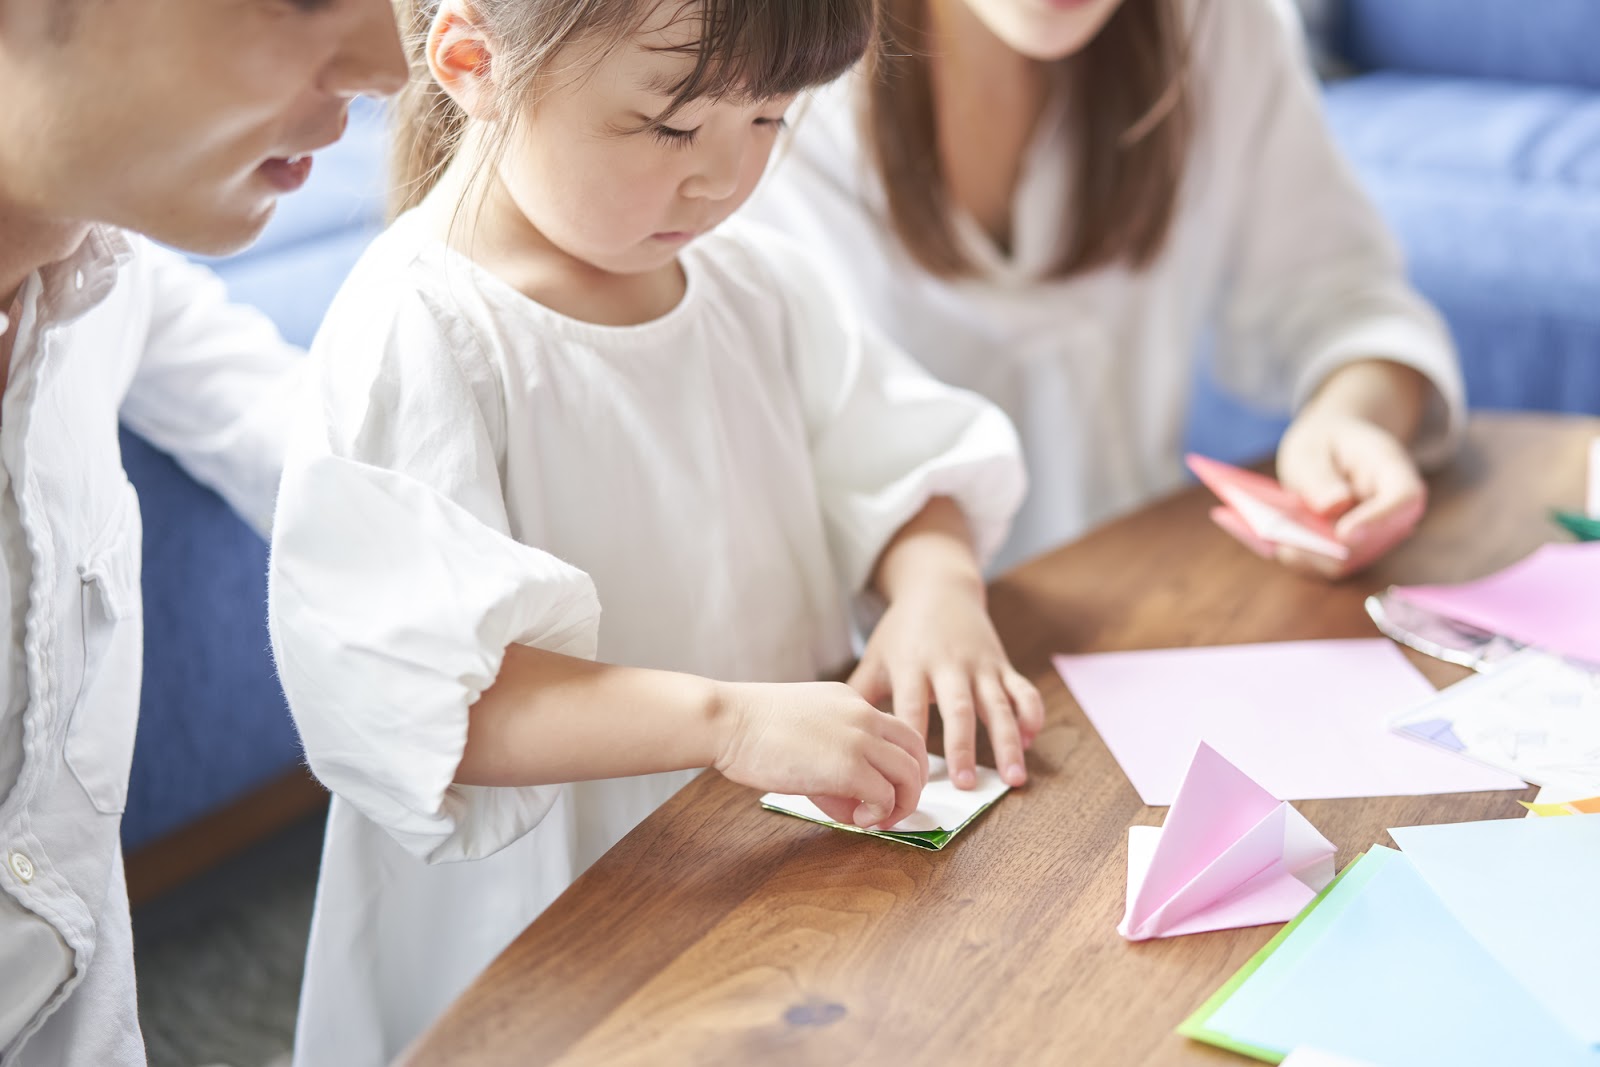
<point>1305,719</point>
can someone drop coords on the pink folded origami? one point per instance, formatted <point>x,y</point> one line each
<point>1267,509</point>
<point>1230,854</point>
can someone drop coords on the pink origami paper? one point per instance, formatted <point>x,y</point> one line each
<point>1550,600</point>
<point>1230,854</point>
<point>1267,509</point>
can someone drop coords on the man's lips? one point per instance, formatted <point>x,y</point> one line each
<point>287,175</point>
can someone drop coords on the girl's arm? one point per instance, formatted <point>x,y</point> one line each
<point>551,718</point>
<point>396,589</point>
<point>936,641</point>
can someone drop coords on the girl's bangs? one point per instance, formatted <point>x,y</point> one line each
<point>761,49</point>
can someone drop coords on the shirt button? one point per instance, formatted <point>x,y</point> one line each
<point>22,867</point>
<point>77,279</point>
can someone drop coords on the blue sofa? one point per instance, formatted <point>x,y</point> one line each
<point>1476,126</point>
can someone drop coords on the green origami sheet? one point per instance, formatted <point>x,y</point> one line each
<point>942,813</point>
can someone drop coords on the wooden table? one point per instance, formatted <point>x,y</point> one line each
<point>717,933</point>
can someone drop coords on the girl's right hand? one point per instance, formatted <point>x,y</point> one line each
<point>822,740</point>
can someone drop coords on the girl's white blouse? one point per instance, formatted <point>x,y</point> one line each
<point>477,470</point>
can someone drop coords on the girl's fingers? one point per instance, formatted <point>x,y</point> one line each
<point>882,780</point>
<point>911,700</point>
<point>1029,704</point>
<point>839,809</point>
<point>868,795</point>
<point>877,803</point>
<point>902,735</point>
<point>904,775</point>
<point>994,705</point>
<point>870,680</point>
<point>953,692</point>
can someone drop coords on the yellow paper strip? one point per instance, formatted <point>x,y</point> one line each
<point>1587,806</point>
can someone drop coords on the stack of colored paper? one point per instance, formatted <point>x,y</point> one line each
<point>1533,714</point>
<point>1543,808</point>
<point>1475,947</point>
<point>1548,600</point>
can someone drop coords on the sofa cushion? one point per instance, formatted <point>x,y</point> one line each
<point>1529,40</point>
<point>213,724</point>
<point>1493,189</point>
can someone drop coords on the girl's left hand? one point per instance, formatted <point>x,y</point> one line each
<point>1346,466</point>
<point>936,642</point>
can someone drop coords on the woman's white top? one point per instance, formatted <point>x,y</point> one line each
<point>1276,259</point>
<point>478,470</point>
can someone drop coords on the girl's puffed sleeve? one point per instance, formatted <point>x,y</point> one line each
<point>395,585</point>
<point>886,437</point>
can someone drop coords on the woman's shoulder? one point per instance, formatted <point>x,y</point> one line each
<point>1247,58</point>
<point>1239,41</point>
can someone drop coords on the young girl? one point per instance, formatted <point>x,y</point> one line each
<point>547,388</point>
<point>1061,205</point>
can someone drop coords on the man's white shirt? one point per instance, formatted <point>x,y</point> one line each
<point>119,330</point>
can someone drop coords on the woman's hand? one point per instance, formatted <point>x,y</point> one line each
<point>1346,456</point>
<point>1345,467</point>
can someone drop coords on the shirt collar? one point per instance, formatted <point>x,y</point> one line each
<point>73,286</point>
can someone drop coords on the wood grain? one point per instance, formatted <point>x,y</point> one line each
<point>717,933</point>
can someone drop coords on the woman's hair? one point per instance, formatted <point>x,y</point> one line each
<point>746,50</point>
<point>1131,124</point>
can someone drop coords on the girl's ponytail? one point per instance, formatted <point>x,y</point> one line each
<point>426,125</point>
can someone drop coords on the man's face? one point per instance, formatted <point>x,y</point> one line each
<point>181,119</point>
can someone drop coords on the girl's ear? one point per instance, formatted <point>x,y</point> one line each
<point>461,60</point>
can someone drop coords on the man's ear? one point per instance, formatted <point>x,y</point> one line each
<point>461,60</point>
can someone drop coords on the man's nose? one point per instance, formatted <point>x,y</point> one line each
<point>371,62</point>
